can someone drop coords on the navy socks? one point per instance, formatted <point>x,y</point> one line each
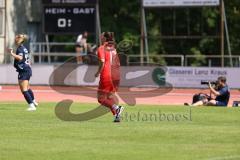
<point>31,94</point>
<point>28,97</point>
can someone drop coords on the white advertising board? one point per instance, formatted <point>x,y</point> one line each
<point>190,77</point>
<point>179,77</point>
<point>179,3</point>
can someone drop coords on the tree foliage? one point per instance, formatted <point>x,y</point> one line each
<point>203,24</point>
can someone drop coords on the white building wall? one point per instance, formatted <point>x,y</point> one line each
<point>19,16</point>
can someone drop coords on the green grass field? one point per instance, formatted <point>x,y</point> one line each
<point>202,134</point>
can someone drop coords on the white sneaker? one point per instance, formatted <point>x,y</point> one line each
<point>119,111</point>
<point>31,107</point>
<point>35,103</point>
<point>118,114</point>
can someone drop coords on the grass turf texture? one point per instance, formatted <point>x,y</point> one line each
<point>212,134</point>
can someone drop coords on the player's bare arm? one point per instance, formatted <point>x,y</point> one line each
<point>100,67</point>
<point>14,55</point>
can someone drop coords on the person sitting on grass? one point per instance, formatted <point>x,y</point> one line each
<point>221,93</point>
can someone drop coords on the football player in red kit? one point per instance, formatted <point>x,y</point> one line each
<point>109,71</point>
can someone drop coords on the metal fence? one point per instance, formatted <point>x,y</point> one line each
<point>170,60</point>
<point>213,60</point>
<point>59,52</point>
<point>53,52</point>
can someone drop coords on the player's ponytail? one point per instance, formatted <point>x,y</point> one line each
<point>24,37</point>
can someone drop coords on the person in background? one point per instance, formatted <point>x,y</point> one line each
<point>81,47</point>
<point>221,93</point>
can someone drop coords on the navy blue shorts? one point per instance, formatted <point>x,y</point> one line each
<point>24,75</point>
<point>221,104</point>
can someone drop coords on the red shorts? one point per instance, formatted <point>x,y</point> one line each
<point>108,86</point>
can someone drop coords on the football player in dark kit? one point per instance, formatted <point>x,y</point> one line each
<point>22,65</point>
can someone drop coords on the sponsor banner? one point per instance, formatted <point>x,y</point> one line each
<point>190,77</point>
<point>134,76</point>
<point>179,3</point>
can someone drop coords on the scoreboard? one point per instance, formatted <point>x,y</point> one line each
<point>69,16</point>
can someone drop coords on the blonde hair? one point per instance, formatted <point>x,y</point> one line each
<point>23,37</point>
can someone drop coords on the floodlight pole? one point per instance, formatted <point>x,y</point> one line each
<point>141,37</point>
<point>48,48</point>
<point>222,32</point>
<point>98,24</point>
<point>227,36</point>
<point>144,36</point>
<point>5,33</point>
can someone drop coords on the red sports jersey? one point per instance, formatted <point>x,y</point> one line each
<point>110,75</point>
<point>111,68</point>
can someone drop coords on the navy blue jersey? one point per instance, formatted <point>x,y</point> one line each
<point>224,95</point>
<point>24,64</point>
